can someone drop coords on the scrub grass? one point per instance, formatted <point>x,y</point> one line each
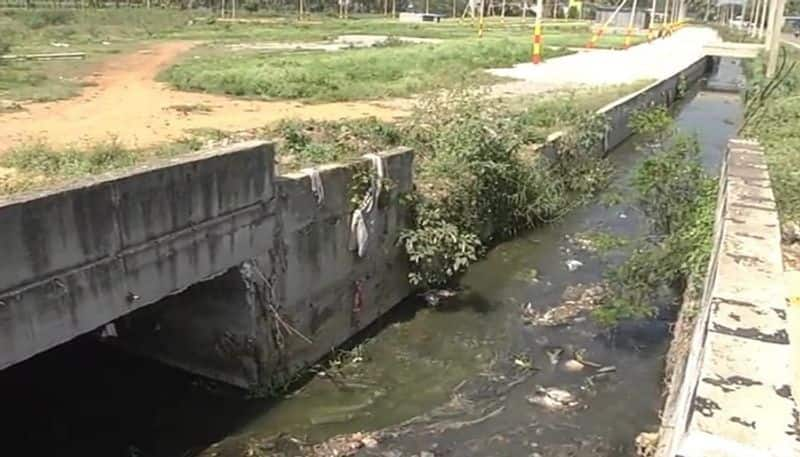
<point>775,125</point>
<point>396,71</point>
<point>38,166</point>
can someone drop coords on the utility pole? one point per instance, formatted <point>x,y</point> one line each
<point>427,6</point>
<point>775,42</point>
<point>773,11</point>
<point>757,30</point>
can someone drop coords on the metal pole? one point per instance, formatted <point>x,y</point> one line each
<point>630,25</point>
<point>536,55</point>
<point>773,18</point>
<point>772,62</point>
<point>427,6</point>
<point>761,18</point>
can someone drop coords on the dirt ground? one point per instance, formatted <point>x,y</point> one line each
<point>124,101</point>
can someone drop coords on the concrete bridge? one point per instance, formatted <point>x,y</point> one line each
<point>733,50</point>
<point>257,262</point>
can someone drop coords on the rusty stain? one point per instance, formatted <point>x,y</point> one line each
<point>784,391</point>
<point>745,260</point>
<point>705,406</point>
<point>779,337</point>
<point>731,383</point>
<point>749,235</point>
<point>740,421</point>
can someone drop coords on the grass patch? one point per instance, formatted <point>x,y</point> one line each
<point>353,74</point>
<point>774,122</point>
<point>37,166</point>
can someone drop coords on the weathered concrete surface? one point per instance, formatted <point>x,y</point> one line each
<point>661,93</point>
<point>291,303</point>
<point>618,113</point>
<point>735,50</point>
<point>77,258</point>
<point>735,396</point>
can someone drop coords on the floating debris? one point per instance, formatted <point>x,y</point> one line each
<point>524,362</point>
<point>576,300</point>
<point>580,357</point>
<point>573,264</point>
<point>554,354</point>
<point>434,297</point>
<point>552,398</point>
<point>573,365</point>
<point>608,369</point>
<point>646,444</point>
<point>790,233</point>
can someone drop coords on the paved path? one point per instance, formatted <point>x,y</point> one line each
<point>655,60</point>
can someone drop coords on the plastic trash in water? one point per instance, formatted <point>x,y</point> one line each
<point>573,264</point>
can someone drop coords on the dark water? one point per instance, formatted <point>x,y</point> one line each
<point>451,368</point>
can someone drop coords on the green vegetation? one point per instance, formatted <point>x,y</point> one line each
<point>103,31</point>
<point>479,182</point>
<point>679,198</point>
<point>601,242</point>
<point>300,144</point>
<point>651,121</point>
<point>38,165</point>
<point>733,35</point>
<point>773,119</point>
<point>354,74</point>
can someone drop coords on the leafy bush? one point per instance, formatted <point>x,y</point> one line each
<point>651,121</point>
<point>573,12</point>
<point>251,6</point>
<point>478,187</point>
<point>679,198</point>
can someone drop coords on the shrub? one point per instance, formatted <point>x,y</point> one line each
<point>476,186</point>
<point>251,6</point>
<point>679,199</point>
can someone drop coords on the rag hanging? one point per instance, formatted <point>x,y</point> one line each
<point>359,225</point>
<point>316,185</point>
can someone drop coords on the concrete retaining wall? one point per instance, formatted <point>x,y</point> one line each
<point>77,258</point>
<point>619,112</point>
<point>731,396</point>
<point>660,93</point>
<point>287,305</point>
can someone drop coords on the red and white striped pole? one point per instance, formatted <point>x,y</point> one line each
<point>630,26</point>
<point>536,56</point>
<point>602,29</point>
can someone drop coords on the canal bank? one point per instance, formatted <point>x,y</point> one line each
<point>455,377</point>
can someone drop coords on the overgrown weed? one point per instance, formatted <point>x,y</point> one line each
<point>679,199</point>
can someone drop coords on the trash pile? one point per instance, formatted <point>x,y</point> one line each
<point>576,300</point>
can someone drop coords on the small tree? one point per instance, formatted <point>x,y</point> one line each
<point>573,12</point>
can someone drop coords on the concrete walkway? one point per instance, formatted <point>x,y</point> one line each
<point>655,60</point>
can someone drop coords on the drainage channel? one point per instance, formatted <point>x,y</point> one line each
<point>454,379</point>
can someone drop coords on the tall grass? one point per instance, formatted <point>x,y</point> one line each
<point>353,74</point>
<point>39,165</point>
